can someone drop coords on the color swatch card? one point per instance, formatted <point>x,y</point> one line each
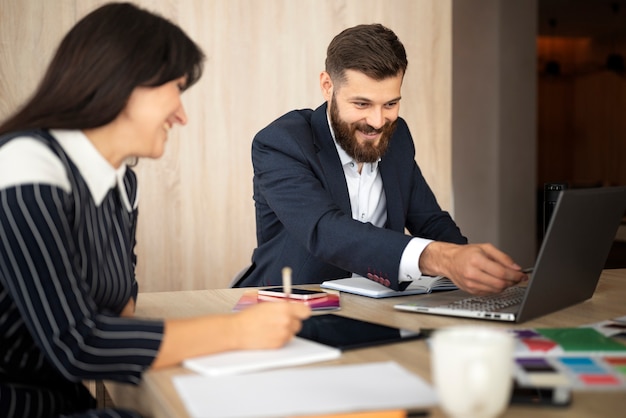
<point>330,302</point>
<point>576,372</point>
<point>579,358</point>
<point>565,342</point>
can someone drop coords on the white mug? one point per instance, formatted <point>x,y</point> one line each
<point>472,370</point>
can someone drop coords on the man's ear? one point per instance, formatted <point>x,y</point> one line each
<point>326,85</point>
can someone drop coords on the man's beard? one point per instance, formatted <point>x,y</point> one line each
<point>345,135</point>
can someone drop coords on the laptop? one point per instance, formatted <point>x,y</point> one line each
<point>572,256</point>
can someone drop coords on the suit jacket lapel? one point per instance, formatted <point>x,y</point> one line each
<point>395,213</point>
<point>329,160</point>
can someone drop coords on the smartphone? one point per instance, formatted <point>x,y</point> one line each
<point>546,396</point>
<point>301,294</point>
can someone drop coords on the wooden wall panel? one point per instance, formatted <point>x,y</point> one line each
<point>197,225</point>
<point>29,32</point>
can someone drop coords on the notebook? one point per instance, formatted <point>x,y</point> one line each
<point>568,267</point>
<point>296,352</point>
<point>331,302</point>
<point>359,285</point>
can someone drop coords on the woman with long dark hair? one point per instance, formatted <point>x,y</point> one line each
<point>68,209</point>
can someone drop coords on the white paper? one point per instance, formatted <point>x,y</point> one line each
<point>305,391</point>
<point>610,328</point>
<point>298,351</point>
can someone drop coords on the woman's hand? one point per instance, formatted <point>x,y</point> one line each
<point>129,309</point>
<point>263,326</point>
<point>269,324</point>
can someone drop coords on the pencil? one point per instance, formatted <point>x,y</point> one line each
<point>287,281</point>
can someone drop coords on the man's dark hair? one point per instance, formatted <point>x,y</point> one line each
<point>373,50</point>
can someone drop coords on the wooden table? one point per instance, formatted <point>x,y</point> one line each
<point>157,397</point>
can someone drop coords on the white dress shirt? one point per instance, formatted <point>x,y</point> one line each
<point>369,204</point>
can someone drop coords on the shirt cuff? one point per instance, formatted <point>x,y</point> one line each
<point>409,263</point>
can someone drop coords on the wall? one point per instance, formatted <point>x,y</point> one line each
<point>581,127</point>
<point>264,58</point>
<point>494,123</point>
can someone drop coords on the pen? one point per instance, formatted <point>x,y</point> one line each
<point>287,281</point>
<point>527,270</point>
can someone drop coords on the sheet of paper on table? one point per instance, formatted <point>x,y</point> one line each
<point>305,391</point>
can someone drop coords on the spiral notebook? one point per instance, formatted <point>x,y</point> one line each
<point>359,285</point>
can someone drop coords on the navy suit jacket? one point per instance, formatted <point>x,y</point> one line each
<point>303,214</point>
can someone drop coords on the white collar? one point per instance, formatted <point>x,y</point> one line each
<point>98,173</point>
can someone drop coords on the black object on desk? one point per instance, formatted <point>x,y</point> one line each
<point>349,333</point>
<point>541,396</point>
<point>551,193</point>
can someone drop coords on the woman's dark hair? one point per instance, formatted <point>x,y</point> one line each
<point>106,55</point>
<point>373,50</point>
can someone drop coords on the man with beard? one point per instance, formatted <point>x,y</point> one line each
<point>335,188</point>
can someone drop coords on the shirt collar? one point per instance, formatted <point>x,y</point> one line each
<point>97,172</point>
<point>343,155</point>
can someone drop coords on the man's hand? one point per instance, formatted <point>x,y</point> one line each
<point>479,269</point>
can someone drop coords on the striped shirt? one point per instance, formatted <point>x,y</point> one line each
<point>67,262</point>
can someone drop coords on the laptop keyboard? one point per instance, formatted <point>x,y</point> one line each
<point>509,297</point>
